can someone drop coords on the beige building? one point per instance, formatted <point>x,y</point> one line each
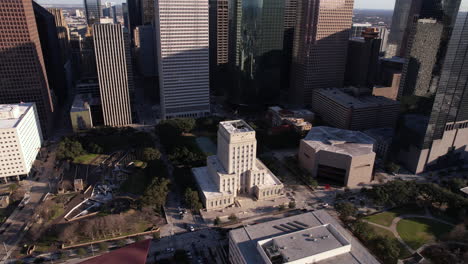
<point>341,156</point>
<point>236,169</point>
<point>299,119</point>
<point>313,237</point>
<point>80,113</point>
<point>342,109</point>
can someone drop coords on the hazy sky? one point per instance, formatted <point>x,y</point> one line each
<point>361,4</point>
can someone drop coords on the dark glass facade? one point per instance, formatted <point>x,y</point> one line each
<point>256,50</point>
<point>93,11</point>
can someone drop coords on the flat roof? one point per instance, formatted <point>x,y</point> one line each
<point>270,178</point>
<point>383,133</point>
<point>247,237</point>
<point>348,142</point>
<point>340,96</point>
<point>236,126</point>
<point>7,122</point>
<point>80,101</point>
<point>207,186</point>
<point>305,243</point>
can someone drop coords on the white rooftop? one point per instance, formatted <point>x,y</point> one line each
<point>11,114</point>
<point>206,183</point>
<point>236,126</point>
<point>352,143</point>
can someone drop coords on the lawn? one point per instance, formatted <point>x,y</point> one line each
<point>419,231</point>
<point>404,253</point>
<point>85,159</point>
<point>206,145</point>
<point>386,218</point>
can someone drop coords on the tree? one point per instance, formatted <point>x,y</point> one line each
<point>180,256</point>
<point>392,167</point>
<point>281,207</point>
<point>217,221</point>
<point>103,246</point>
<point>233,217</point>
<point>156,193</point>
<point>346,210</point>
<point>94,148</point>
<point>81,252</point>
<point>150,154</point>
<point>313,183</point>
<point>192,200</point>
<point>386,248</point>
<point>292,205</point>
<point>69,149</point>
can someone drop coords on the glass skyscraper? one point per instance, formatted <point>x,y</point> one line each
<point>256,44</point>
<point>93,11</point>
<point>434,94</point>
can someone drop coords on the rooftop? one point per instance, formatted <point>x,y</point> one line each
<point>298,226</point>
<point>270,178</point>
<point>352,143</point>
<point>205,182</point>
<point>340,96</point>
<point>82,102</point>
<point>305,243</point>
<point>11,114</point>
<point>236,126</point>
<point>383,134</point>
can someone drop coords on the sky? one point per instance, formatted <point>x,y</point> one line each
<point>359,4</point>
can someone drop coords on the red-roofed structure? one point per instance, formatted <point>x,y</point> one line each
<point>135,253</point>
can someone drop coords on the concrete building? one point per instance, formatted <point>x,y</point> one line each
<point>313,237</point>
<point>433,133</point>
<point>389,78</point>
<point>235,169</point>
<point>383,140</point>
<point>147,11</point>
<point>342,109</point>
<point>363,58</point>
<point>22,68</point>
<point>301,120</point>
<point>115,74</point>
<point>357,29</point>
<point>144,50</point>
<point>88,86</point>
<point>63,33</point>
<point>340,156</point>
<point>93,11</point>
<point>383,36</point>
<point>82,111</point>
<point>320,47</point>
<point>219,45</point>
<point>20,139</point>
<point>256,51</point>
<point>183,57</point>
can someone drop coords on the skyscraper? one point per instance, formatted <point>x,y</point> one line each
<point>125,15</point>
<point>290,16</point>
<point>134,15</point>
<point>51,51</point>
<point>182,37</point>
<point>92,11</point>
<point>147,11</point>
<point>256,46</point>
<point>434,128</point>
<point>63,33</point>
<point>219,44</point>
<point>320,46</point>
<point>22,69</point>
<point>114,73</point>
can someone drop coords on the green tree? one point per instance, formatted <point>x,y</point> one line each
<point>81,252</point>
<point>386,249</point>
<point>346,210</point>
<point>150,154</point>
<point>281,207</point>
<point>313,183</point>
<point>392,167</point>
<point>103,246</point>
<point>192,200</point>
<point>180,256</point>
<point>233,217</point>
<point>94,148</point>
<point>156,193</point>
<point>217,221</point>
<point>292,205</point>
<point>69,149</point>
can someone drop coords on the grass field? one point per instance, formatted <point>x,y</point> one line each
<point>386,218</point>
<point>419,231</point>
<point>85,159</point>
<point>404,253</point>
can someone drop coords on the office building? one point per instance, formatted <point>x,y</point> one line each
<point>134,15</point>
<point>357,29</point>
<point>320,47</point>
<point>434,129</point>
<point>92,11</point>
<point>51,51</point>
<point>147,11</point>
<point>144,50</point>
<point>114,73</point>
<point>300,120</point>
<point>389,78</point>
<point>383,35</point>
<point>85,113</point>
<point>20,139</point>
<point>183,57</point>
<point>313,237</point>
<point>235,169</point>
<point>256,47</point>
<point>110,11</point>
<point>125,15</point>
<point>87,56</point>
<point>63,33</point>
<point>344,109</point>
<point>219,44</point>
<point>339,156</point>
<point>22,68</point>
<point>290,19</point>
<point>383,140</point>
<point>363,58</point>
